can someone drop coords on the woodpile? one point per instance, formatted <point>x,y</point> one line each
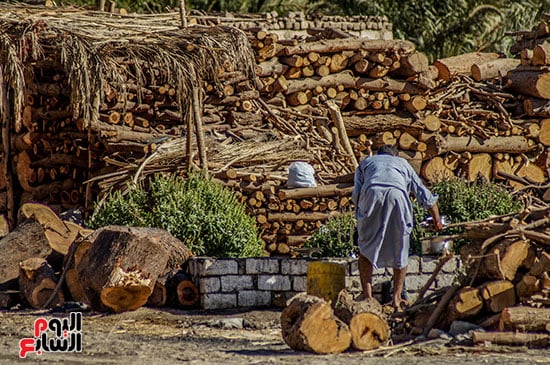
<point>328,98</point>
<point>112,269</point>
<point>504,288</point>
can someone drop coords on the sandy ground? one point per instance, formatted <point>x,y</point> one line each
<point>153,336</point>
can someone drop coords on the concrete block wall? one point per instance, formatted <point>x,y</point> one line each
<point>269,282</point>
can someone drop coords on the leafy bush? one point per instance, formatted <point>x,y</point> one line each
<point>204,215</point>
<point>335,237</point>
<point>463,201</point>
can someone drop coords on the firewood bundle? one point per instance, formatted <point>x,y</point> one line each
<point>505,285</point>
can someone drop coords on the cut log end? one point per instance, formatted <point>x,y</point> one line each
<point>127,298</point>
<point>308,324</point>
<point>368,331</point>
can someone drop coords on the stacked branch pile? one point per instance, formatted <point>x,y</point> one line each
<point>504,288</point>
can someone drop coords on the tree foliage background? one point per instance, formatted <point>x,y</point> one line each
<point>440,28</point>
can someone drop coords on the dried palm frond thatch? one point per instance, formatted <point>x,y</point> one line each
<point>95,49</point>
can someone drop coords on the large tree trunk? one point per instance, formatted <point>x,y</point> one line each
<point>368,324</point>
<point>122,265</point>
<point>27,240</point>
<point>308,324</point>
<point>37,283</point>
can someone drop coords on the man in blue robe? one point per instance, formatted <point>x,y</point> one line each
<point>384,215</point>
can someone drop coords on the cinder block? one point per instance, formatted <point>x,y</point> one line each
<point>354,267</point>
<point>299,283</point>
<point>209,284</point>
<point>232,283</point>
<point>262,266</point>
<point>416,282</point>
<point>273,282</point>
<point>218,301</point>
<point>293,267</point>
<point>206,266</point>
<point>428,264</point>
<point>414,265</point>
<point>254,298</point>
<point>452,265</point>
<point>380,271</point>
<point>411,296</point>
<point>444,280</point>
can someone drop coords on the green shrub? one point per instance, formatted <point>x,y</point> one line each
<point>204,215</point>
<point>335,237</point>
<point>463,201</point>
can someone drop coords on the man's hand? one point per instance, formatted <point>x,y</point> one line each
<point>438,225</point>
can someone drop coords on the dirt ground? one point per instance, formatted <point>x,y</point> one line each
<point>153,336</point>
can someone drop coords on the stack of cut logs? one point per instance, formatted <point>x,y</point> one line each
<point>504,288</point>
<point>49,260</point>
<point>328,99</point>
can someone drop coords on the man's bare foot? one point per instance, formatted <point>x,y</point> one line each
<point>400,304</point>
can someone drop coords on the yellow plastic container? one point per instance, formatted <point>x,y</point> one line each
<point>325,279</point>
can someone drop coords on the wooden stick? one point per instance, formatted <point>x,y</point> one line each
<point>440,307</point>
<point>339,122</point>
<point>6,170</point>
<point>442,261</point>
<point>183,14</point>
<point>199,130</point>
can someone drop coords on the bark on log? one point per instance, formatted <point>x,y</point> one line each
<point>524,319</point>
<point>27,240</point>
<point>495,68</point>
<point>305,216</point>
<point>533,83</point>
<point>531,340</point>
<point>372,124</point>
<point>350,44</point>
<point>389,84</point>
<point>461,64</point>
<point>343,189</point>
<point>512,144</point>
<point>122,266</point>
<point>37,282</point>
<point>308,324</point>
<point>344,78</point>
